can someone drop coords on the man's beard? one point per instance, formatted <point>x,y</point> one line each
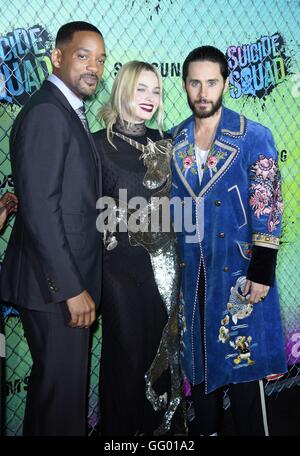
<point>204,114</point>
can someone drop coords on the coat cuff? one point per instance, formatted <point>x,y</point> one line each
<point>266,240</point>
<point>262,265</point>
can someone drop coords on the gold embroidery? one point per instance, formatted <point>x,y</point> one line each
<point>265,240</point>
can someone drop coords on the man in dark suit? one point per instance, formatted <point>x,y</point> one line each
<point>51,269</point>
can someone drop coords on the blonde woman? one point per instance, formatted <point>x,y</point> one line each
<point>139,373</point>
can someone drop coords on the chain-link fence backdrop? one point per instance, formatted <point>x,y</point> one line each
<point>261,40</point>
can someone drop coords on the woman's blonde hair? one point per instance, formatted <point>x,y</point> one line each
<point>123,91</point>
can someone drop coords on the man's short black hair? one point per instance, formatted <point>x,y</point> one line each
<point>209,53</point>
<point>66,32</point>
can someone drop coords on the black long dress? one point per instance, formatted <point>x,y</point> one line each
<point>133,314</point>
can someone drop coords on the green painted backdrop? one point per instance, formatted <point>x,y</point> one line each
<point>261,41</point>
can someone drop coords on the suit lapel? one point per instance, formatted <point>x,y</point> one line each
<point>96,159</point>
<point>91,147</point>
<point>49,86</point>
<point>87,135</point>
<point>185,160</point>
<point>64,102</point>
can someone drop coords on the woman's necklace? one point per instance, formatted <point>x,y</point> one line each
<point>132,142</point>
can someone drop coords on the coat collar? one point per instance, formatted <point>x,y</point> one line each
<point>231,124</point>
<point>50,87</point>
<point>75,101</point>
<point>225,149</point>
<point>57,93</point>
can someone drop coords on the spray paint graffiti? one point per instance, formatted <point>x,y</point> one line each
<point>257,68</point>
<point>24,63</point>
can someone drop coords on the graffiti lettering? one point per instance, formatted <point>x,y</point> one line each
<point>7,181</point>
<point>24,63</point>
<point>283,155</point>
<point>16,386</point>
<point>295,351</point>
<point>258,67</point>
<point>166,69</point>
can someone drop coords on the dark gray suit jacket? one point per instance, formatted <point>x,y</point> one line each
<point>54,251</point>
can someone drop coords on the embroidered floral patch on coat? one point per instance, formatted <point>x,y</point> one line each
<point>188,160</point>
<point>265,191</point>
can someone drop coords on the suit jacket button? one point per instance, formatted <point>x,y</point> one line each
<point>182,264</point>
<point>221,235</point>
<point>226,269</point>
<point>218,203</point>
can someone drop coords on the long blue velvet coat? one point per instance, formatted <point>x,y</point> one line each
<point>238,205</point>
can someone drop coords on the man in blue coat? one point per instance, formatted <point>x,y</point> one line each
<point>226,174</point>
